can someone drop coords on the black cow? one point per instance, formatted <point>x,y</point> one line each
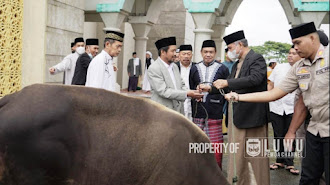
<point>65,135</point>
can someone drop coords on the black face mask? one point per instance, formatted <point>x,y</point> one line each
<point>72,51</point>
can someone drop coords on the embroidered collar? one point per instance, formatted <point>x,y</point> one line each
<point>209,64</point>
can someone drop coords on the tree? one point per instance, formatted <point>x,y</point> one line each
<point>272,49</point>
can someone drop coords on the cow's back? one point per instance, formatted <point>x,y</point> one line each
<point>77,135</point>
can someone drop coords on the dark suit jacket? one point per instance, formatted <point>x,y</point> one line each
<point>130,68</point>
<point>252,78</point>
<point>80,72</point>
<point>214,102</point>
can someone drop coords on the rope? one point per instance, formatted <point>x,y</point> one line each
<point>206,118</point>
<point>207,115</point>
<point>230,120</point>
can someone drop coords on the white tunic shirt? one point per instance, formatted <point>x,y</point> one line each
<point>207,74</point>
<point>136,62</point>
<point>285,104</point>
<point>170,70</point>
<point>100,73</point>
<point>68,65</point>
<point>185,71</point>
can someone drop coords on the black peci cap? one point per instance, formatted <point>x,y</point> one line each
<point>165,42</point>
<point>92,42</point>
<point>302,30</point>
<point>79,39</point>
<point>208,43</point>
<point>239,35</point>
<point>185,48</point>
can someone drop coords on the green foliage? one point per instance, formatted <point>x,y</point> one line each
<point>271,49</point>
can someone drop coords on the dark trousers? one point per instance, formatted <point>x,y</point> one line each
<point>316,161</point>
<point>280,126</point>
<point>132,83</point>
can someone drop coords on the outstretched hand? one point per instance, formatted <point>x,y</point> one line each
<point>220,84</point>
<point>52,70</point>
<point>195,94</point>
<point>232,96</point>
<point>203,88</point>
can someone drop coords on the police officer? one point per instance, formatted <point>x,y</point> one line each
<point>311,76</point>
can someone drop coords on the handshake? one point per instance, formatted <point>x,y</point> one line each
<point>219,84</point>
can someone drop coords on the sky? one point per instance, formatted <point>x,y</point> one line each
<point>263,20</point>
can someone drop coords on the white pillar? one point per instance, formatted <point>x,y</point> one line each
<point>90,30</point>
<point>316,17</point>
<point>141,31</point>
<point>203,31</point>
<point>113,21</point>
<point>200,36</point>
<point>217,36</point>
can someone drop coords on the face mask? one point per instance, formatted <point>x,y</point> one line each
<point>90,55</point>
<point>80,50</point>
<point>233,55</point>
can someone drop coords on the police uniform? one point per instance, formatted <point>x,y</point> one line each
<point>312,78</point>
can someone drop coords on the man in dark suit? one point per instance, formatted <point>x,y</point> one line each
<point>80,73</point>
<point>249,74</point>
<point>134,70</point>
<point>207,115</point>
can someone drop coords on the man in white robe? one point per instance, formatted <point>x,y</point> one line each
<point>185,63</point>
<point>146,85</point>
<point>68,64</point>
<point>100,73</point>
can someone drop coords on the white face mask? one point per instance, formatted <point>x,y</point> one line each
<point>90,55</point>
<point>233,55</point>
<point>80,50</point>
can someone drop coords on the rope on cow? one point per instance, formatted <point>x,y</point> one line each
<point>206,118</point>
<point>231,121</point>
<point>207,115</point>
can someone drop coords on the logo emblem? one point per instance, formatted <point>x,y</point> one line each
<point>322,63</point>
<point>253,147</point>
<point>303,70</point>
<point>320,52</point>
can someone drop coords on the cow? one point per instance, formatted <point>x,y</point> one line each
<point>66,135</point>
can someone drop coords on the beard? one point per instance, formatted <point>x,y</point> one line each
<point>171,60</point>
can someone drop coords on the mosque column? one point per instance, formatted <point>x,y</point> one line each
<point>217,36</point>
<point>203,31</point>
<point>141,31</point>
<point>316,17</point>
<point>307,11</point>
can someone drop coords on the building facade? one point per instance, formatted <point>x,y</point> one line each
<point>36,34</point>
